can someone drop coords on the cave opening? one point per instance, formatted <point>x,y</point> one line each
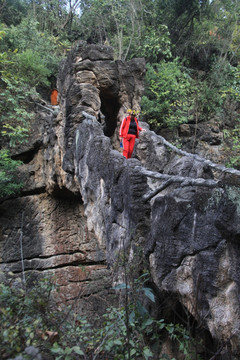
<point>65,194</point>
<point>109,108</point>
<point>205,345</point>
<point>27,156</point>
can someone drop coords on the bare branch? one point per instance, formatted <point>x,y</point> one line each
<point>69,15</point>
<point>226,343</point>
<point>44,107</point>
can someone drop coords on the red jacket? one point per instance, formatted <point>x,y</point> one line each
<point>123,131</point>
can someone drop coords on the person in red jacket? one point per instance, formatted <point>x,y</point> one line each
<point>129,131</point>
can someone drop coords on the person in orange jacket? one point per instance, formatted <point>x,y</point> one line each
<point>128,132</point>
<point>54,97</point>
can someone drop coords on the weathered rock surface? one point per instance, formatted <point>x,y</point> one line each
<point>84,201</point>
<point>51,228</point>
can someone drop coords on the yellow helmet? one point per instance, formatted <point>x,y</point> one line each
<point>129,111</point>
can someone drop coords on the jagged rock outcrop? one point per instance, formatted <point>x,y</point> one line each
<point>193,246</point>
<point>84,201</point>
<point>49,230</point>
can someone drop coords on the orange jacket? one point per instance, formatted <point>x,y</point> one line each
<point>123,131</point>
<point>54,97</point>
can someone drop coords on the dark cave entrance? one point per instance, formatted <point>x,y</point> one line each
<point>204,345</point>
<point>109,107</point>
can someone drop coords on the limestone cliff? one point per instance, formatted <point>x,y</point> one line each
<point>84,202</point>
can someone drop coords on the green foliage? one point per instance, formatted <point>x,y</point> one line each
<point>114,336</point>
<point>21,71</point>
<point>65,353</point>
<point>232,146</point>
<point>33,58</point>
<point>12,11</point>
<point>166,101</point>
<point>227,28</point>
<point>27,60</point>
<point>231,88</point>
<point>76,336</point>
<point>216,93</point>
<point>119,23</point>
<point>22,316</point>
<point>230,94</point>
<point>181,336</point>
<point>10,182</point>
<point>155,45</point>
<point>32,69</point>
<point>15,95</point>
<point>171,94</point>
<point>89,10</point>
<point>57,18</point>
<point>28,318</point>
<point>46,49</point>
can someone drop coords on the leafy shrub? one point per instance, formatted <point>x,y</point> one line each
<point>23,316</point>
<point>29,318</point>
<point>232,146</point>
<point>10,182</point>
<point>26,36</point>
<point>15,102</point>
<point>219,89</point>
<point>230,91</point>
<point>32,69</point>
<point>13,12</point>
<point>156,44</point>
<point>166,100</point>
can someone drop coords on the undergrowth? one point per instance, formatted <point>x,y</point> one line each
<point>29,319</point>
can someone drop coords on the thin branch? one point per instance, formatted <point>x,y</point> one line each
<point>69,15</point>
<point>221,348</point>
<point>21,251</point>
<point>44,107</point>
<point>132,32</point>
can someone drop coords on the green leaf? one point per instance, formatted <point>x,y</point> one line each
<point>147,322</point>
<point>77,350</point>
<point>117,342</point>
<point>149,293</point>
<point>147,353</point>
<point>133,352</point>
<point>68,350</point>
<point>132,318</point>
<point>121,286</point>
<point>56,349</point>
<point>141,309</point>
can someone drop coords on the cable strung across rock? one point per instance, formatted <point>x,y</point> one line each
<point>170,179</point>
<point>221,168</point>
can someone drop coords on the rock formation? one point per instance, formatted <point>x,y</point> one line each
<point>83,202</point>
